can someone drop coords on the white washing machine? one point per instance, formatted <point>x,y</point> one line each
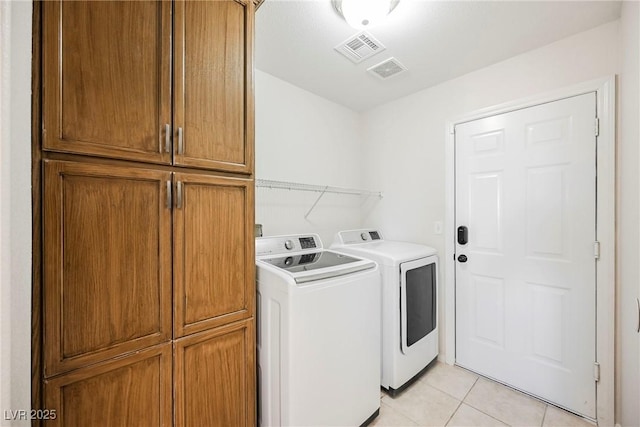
<point>318,337</point>
<point>409,303</point>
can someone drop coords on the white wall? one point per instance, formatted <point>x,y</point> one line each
<point>302,137</point>
<point>628,246</point>
<point>15,207</point>
<point>405,139</point>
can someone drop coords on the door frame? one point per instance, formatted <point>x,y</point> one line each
<point>605,89</point>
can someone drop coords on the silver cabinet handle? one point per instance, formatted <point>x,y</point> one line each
<point>169,202</point>
<point>167,138</point>
<point>638,304</point>
<point>179,195</point>
<point>180,141</point>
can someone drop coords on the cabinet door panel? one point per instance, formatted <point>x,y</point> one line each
<point>213,253</point>
<point>132,391</point>
<point>107,68</point>
<point>107,255</point>
<point>214,84</point>
<point>215,377</point>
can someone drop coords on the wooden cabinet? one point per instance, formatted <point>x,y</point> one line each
<point>214,270</point>
<point>107,262</point>
<point>107,81</point>
<point>215,383</point>
<point>107,283</point>
<point>213,111</point>
<point>103,94</point>
<point>146,163</point>
<point>132,391</point>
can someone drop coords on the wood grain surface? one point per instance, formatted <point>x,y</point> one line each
<point>215,377</point>
<point>143,310</point>
<point>107,254</point>
<point>130,391</point>
<point>107,69</point>
<point>214,84</point>
<point>214,274</point>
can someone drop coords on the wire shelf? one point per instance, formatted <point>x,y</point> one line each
<point>296,186</point>
<point>322,189</point>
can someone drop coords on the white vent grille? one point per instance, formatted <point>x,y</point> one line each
<point>387,68</point>
<point>360,47</point>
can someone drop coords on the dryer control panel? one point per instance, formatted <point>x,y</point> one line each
<point>352,237</point>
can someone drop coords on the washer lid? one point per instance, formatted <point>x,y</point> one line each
<point>312,266</point>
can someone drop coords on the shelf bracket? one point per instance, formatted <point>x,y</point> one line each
<point>316,202</point>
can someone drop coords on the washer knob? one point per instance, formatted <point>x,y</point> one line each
<point>364,236</point>
<point>288,244</point>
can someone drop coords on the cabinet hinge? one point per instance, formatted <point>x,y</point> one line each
<point>597,129</point>
<point>596,371</point>
<point>596,249</point>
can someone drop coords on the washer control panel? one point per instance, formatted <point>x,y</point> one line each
<point>286,244</point>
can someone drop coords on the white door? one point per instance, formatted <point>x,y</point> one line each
<point>525,297</point>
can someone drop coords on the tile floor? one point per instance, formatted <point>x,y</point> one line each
<point>451,396</point>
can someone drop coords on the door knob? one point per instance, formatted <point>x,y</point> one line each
<point>462,258</point>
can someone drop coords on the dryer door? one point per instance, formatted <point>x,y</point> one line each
<point>418,300</point>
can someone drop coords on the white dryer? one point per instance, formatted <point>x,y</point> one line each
<point>409,303</point>
<point>318,335</point>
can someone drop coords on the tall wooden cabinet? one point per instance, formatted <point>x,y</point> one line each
<point>148,271</point>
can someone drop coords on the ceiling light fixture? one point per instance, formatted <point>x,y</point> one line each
<point>364,14</point>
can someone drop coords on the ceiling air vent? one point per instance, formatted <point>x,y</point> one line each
<point>387,68</point>
<point>360,47</point>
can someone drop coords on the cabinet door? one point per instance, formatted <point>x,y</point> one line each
<point>215,377</point>
<point>214,84</point>
<point>214,272</point>
<point>107,262</point>
<point>132,391</point>
<point>106,71</point>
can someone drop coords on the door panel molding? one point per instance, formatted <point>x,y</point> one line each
<point>605,89</point>
<point>213,284</point>
<point>91,108</point>
<point>85,319</point>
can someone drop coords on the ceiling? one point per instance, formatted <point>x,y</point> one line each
<point>435,40</point>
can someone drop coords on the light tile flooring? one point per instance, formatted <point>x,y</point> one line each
<point>451,396</point>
